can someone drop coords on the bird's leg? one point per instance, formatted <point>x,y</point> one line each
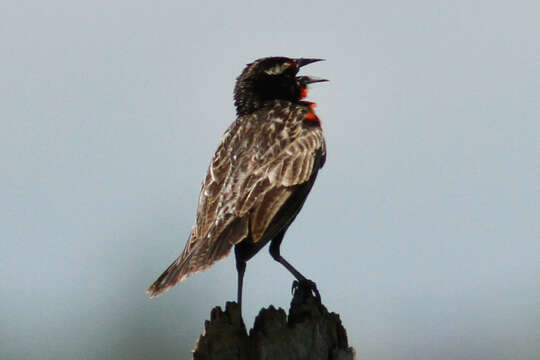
<point>275,253</point>
<point>241,268</point>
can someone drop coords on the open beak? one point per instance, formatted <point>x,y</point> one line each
<point>308,79</point>
<point>305,80</point>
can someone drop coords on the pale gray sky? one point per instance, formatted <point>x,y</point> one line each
<point>422,230</point>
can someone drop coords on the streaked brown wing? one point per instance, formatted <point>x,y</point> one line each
<point>251,176</point>
<point>271,185</point>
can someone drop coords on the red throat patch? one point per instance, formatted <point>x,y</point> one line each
<point>310,117</point>
<point>303,93</point>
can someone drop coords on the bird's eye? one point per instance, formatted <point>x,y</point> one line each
<point>280,68</point>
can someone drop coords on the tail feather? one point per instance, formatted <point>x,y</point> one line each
<point>203,254</point>
<point>174,274</point>
<point>199,258</point>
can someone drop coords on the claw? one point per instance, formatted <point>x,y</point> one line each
<point>308,285</point>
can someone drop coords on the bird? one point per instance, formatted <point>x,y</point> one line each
<point>260,175</point>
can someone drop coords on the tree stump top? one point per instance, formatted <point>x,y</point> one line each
<point>308,332</point>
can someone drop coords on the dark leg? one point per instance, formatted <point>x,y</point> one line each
<point>275,253</point>
<point>241,268</point>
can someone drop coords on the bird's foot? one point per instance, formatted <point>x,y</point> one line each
<point>306,287</point>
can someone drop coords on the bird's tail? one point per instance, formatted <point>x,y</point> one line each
<point>199,255</point>
<point>170,277</point>
<point>175,273</point>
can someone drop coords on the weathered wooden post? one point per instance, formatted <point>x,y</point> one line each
<point>308,332</point>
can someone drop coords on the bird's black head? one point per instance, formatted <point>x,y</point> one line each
<point>269,79</point>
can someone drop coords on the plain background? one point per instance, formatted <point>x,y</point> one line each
<point>422,230</point>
